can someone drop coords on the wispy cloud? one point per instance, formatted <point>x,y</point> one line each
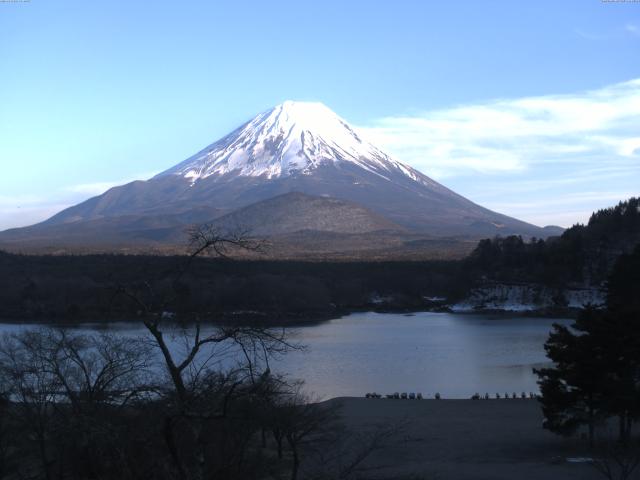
<point>616,34</point>
<point>95,188</point>
<point>509,135</point>
<point>632,28</point>
<point>98,188</point>
<point>590,36</point>
<point>499,151</point>
<point>24,210</point>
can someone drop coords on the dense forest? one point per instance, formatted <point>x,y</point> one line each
<point>77,288</point>
<point>68,288</point>
<point>583,254</point>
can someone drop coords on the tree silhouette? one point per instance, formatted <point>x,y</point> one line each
<point>596,372</point>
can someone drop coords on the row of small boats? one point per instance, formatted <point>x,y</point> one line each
<point>475,396</point>
<point>486,396</point>
<point>402,396</point>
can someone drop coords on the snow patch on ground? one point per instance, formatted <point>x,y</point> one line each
<point>527,298</point>
<point>377,299</point>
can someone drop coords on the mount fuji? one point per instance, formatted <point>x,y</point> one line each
<point>298,164</point>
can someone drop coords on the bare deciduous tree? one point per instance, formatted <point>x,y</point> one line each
<point>67,382</point>
<point>190,400</point>
<point>199,393</point>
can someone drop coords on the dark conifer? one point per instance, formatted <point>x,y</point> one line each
<point>596,372</point>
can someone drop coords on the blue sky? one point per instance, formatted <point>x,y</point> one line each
<point>531,108</point>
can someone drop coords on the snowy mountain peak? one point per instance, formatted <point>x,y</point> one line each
<point>291,138</point>
<point>254,178</point>
<point>312,116</point>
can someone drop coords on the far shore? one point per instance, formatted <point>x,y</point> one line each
<point>287,320</point>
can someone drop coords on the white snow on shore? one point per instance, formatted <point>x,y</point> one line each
<point>526,298</point>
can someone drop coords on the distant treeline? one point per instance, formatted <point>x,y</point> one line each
<point>83,287</point>
<point>583,254</point>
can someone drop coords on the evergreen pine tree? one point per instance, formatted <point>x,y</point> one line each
<point>596,372</point>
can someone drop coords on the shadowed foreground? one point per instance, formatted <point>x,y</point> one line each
<point>467,439</point>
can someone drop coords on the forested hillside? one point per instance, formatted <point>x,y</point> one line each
<point>583,254</point>
<point>80,288</point>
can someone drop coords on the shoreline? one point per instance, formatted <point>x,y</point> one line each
<point>292,320</point>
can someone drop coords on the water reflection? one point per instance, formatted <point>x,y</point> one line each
<point>453,354</point>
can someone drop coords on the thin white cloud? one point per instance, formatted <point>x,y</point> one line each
<point>632,28</point>
<point>589,36</point>
<point>563,209</point>
<point>98,188</point>
<point>507,135</point>
<point>24,210</point>
<point>549,159</point>
<point>567,199</point>
<point>28,215</point>
<point>95,188</point>
<point>614,34</point>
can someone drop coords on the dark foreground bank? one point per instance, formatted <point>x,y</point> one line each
<point>467,439</point>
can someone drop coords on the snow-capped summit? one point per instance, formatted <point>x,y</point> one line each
<point>297,166</point>
<point>293,137</point>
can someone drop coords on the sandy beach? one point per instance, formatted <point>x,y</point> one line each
<point>467,439</point>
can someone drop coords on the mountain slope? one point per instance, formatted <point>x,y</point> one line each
<point>294,147</point>
<point>296,212</point>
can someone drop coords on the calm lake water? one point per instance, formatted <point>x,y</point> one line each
<point>453,354</point>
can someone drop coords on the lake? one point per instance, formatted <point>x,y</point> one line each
<point>453,354</point>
